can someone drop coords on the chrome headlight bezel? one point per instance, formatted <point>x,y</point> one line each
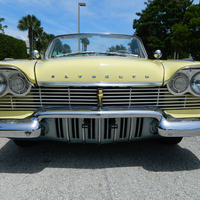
<point>3,84</point>
<point>15,79</point>
<point>190,73</point>
<point>194,82</point>
<point>179,84</point>
<point>18,85</point>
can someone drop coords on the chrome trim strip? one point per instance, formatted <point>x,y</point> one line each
<point>101,84</point>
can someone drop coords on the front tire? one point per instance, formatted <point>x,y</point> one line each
<point>170,140</point>
<point>24,143</point>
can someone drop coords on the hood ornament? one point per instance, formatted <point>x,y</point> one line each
<point>100,96</point>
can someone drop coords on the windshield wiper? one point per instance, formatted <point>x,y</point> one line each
<point>124,54</point>
<point>120,54</point>
<point>75,53</point>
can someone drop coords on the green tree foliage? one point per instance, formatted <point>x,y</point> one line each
<point>155,22</point>
<point>179,38</point>
<point>12,48</point>
<point>66,48</point>
<point>43,41</point>
<point>1,26</point>
<point>33,25</point>
<point>117,48</point>
<point>85,42</point>
<point>185,36</point>
<point>60,48</point>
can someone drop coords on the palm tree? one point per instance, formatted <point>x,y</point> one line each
<point>44,38</point>
<point>85,42</point>
<point>1,26</point>
<point>32,24</point>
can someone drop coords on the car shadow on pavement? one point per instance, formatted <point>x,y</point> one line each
<point>148,154</point>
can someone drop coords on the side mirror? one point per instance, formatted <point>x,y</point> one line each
<point>157,54</point>
<point>36,54</point>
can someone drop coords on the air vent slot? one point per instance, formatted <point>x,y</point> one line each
<point>123,127</point>
<point>89,128</point>
<point>59,127</point>
<point>109,128</point>
<point>139,126</point>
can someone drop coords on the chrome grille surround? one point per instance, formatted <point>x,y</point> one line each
<point>87,96</point>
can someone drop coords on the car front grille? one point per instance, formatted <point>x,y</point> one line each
<point>88,96</point>
<point>108,130</point>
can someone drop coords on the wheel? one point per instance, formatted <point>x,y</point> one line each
<point>170,140</point>
<point>24,143</point>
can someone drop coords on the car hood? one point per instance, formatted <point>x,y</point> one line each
<point>101,69</point>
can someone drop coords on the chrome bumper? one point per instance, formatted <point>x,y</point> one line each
<point>167,127</point>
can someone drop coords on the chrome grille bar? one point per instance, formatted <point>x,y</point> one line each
<point>113,96</point>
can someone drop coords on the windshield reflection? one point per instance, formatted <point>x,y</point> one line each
<point>95,45</point>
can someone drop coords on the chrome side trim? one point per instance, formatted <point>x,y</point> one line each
<point>99,84</point>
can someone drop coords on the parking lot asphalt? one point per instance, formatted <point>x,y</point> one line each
<point>137,170</point>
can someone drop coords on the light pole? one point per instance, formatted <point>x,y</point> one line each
<point>79,4</point>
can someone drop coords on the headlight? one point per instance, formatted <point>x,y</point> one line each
<point>178,84</point>
<point>3,84</point>
<point>195,83</point>
<point>18,84</point>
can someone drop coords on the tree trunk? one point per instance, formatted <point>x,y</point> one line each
<point>30,36</point>
<point>85,47</point>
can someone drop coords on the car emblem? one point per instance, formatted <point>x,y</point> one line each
<point>79,76</point>
<point>100,96</point>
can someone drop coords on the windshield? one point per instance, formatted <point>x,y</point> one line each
<point>95,45</point>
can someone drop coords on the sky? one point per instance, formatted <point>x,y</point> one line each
<point>61,16</point>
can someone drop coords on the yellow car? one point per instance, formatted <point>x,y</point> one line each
<point>98,88</point>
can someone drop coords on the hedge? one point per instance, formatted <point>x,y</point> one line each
<point>11,47</point>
